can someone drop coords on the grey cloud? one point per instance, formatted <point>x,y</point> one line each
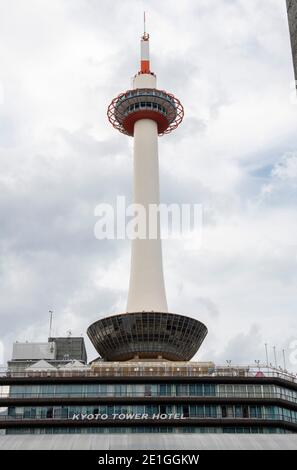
<point>243,348</point>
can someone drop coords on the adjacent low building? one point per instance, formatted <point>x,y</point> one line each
<point>56,352</point>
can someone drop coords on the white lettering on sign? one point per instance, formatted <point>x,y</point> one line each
<point>127,416</point>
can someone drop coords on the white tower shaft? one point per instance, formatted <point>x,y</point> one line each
<point>146,289</point>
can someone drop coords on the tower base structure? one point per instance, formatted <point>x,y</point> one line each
<point>147,335</point>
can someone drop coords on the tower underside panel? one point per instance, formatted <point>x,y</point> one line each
<point>147,335</point>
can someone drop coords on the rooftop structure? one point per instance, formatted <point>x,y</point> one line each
<point>70,347</point>
<point>33,351</point>
<point>56,352</point>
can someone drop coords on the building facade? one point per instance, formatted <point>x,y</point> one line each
<point>149,397</point>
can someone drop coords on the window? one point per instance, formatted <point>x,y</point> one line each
<point>238,411</point>
<point>49,412</point>
<point>209,390</point>
<point>196,390</point>
<point>200,411</point>
<point>185,411</point>
<point>154,390</point>
<point>255,412</point>
<point>245,412</point>
<point>139,409</point>
<point>182,390</point>
<point>271,412</point>
<point>224,411</point>
<point>210,411</point>
<point>64,412</point>
<point>11,411</point>
<point>258,390</point>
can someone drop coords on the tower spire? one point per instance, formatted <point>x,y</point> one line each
<point>144,23</point>
<point>145,51</point>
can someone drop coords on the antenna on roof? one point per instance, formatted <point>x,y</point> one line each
<point>50,322</point>
<point>275,359</point>
<point>284,358</point>
<point>266,353</point>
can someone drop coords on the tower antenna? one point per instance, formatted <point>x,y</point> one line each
<point>145,36</point>
<point>144,23</point>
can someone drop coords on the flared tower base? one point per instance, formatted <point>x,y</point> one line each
<point>147,335</point>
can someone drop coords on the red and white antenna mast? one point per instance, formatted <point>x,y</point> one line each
<point>145,49</point>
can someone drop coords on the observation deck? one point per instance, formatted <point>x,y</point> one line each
<point>145,103</point>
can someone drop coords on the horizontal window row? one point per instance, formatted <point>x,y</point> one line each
<point>145,105</point>
<point>149,390</point>
<point>144,92</point>
<point>149,429</point>
<point>171,412</point>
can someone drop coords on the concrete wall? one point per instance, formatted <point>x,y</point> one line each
<point>150,442</point>
<point>33,351</point>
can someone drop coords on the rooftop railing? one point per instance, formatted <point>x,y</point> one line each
<point>154,369</point>
<point>43,395</point>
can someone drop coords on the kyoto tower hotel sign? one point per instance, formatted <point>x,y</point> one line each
<point>146,330</point>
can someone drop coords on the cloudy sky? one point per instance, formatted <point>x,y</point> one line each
<point>229,62</point>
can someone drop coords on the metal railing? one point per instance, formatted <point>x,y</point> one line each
<point>132,369</point>
<point>130,394</point>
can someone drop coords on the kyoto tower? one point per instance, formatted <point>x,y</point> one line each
<point>146,330</point>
